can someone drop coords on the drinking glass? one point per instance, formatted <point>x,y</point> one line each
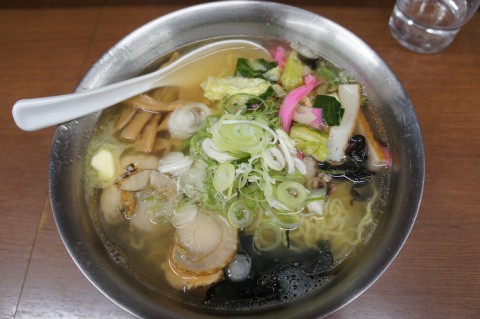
<point>429,26</point>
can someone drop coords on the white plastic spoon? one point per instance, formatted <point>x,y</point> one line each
<point>38,113</point>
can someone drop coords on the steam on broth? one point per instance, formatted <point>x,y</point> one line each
<point>248,185</point>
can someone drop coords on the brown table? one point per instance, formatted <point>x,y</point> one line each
<point>47,46</point>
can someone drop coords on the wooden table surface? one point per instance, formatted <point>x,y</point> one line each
<point>47,46</point>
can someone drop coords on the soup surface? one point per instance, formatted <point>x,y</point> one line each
<point>249,185</point>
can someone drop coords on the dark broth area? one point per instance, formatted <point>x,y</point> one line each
<point>287,273</point>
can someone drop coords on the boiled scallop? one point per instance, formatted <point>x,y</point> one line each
<point>135,181</point>
<point>205,246</point>
<point>181,280</point>
<point>110,205</point>
<point>200,237</point>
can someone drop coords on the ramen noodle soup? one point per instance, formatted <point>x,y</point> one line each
<point>249,185</point>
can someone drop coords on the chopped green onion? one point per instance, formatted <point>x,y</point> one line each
<point>274,158</point>
<point>237,102</point>
<point>223,177</point>
<point>273,201</point>
<point>239,216</point>
<point>249,167</point>
<point>287,221</point>
<point>292,194</point>
<point>240,137</point>
<point>214,152</point>
<point>313,199</point>
<point>252,196</point>
<point>267,236</point>
<point>296,177</point>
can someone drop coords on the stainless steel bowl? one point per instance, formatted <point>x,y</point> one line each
<point>251,19</point>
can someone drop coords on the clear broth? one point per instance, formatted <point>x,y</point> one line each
<point>141,253</point>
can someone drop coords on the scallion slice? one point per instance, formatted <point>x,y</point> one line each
<point>267,237</point>
<point>287,221</point>
<point>292,194</point>
<point>239,216</point>
<point>274,158</point>
<point>223,177</point>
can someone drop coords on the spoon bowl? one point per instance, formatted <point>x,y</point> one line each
<point>38,113</point>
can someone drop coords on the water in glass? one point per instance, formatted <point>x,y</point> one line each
<point>427,26</point>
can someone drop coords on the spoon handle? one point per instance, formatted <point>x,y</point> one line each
<point>34,114</point>
<point>38,113</point>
